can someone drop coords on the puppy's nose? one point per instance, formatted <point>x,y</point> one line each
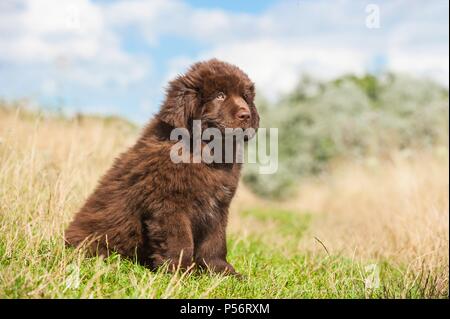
<point>243,114</point>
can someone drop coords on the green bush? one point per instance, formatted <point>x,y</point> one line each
<point>348,117</point>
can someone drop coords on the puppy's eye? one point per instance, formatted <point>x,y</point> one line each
<point>220,96</point>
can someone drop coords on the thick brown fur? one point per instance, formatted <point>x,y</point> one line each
<point>157,211</point>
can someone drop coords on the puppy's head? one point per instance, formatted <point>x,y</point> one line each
<point>219,94</point>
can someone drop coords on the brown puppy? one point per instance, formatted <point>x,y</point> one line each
<point>150,208</point>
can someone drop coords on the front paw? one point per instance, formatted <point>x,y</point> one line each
<point>219,266</point>
<point>238,276</point>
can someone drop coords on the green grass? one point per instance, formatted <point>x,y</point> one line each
<point>288,224</point>
<point>269,272</point>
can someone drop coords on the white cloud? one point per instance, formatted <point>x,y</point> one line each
<point>158,18</point>
<point>48,32</point>
<point>276,66</point>
<point>322,39</point>
<point>433,65</point>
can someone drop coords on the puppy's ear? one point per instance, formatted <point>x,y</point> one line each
<point>180,106</point>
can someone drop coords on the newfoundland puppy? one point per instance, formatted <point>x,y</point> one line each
<point>149,208</point>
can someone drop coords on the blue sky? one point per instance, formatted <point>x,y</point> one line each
<point>115,57</point>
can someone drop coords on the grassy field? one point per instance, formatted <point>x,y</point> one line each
<point>372,229</point>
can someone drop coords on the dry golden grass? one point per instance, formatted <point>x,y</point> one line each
<point>394,209</point>
<point>45,162</point>
<point>47,166</point>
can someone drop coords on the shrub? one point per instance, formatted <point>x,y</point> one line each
<point>349,117</point>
